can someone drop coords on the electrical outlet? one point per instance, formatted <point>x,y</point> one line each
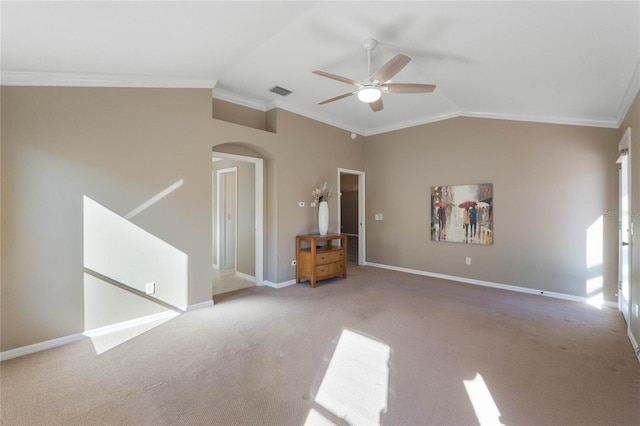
<point>312,204</point>
<point>467,261</point>
<point>294,263</point>
<point>150,288</point>
<point>301,204</point>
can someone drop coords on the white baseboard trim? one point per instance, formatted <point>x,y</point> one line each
<point>278,285</point>
<point>54,343</point>
<point>205,304</point>
<point>489,284</point>
<point>37,347</point>
<point>634,343</point>
<point>246,276</point>
<point>119,326</point>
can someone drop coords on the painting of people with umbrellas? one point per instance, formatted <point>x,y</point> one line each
<point>462,213</point>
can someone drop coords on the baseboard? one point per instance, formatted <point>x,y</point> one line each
<point>205,304</point>
<point>463,280</point>
<point>246,276</point>
<point>634,343</point>
<point>278,285</point>
<point>165,315</point>
<point>37,347</point>
<point>489,284</point>
<point>54,343</point>
<point>119,326</point>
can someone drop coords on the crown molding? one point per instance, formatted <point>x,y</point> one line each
<point>411,123</point>
<point>629,96</point>
<point>228,96</point>
<point>570,121</point>
<point>316,117</point>
<point>62,79</point>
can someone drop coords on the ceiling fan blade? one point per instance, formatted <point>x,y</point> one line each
<point>376,105</point>
<point>335,98</point>
<point>407,88</point>
<point>337,77</point>
<point>391,68</point>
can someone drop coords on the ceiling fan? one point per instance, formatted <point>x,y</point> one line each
<point>379,82</point>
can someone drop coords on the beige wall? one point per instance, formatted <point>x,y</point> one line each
<point>309,154</point>
<point>233,113</point>
<point>632,120</point>
<point>552,183</point>
<point>121,148</point>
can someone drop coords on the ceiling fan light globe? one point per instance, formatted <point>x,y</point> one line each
<point>369,94</point>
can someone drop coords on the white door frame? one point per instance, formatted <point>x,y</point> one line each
<point>362,235</point>
<point>221,229</point>
<point>624,221</point>
<point>259,206</point>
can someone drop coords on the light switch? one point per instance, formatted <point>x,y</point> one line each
<point>378,216</point>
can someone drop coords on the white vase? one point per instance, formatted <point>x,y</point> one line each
<point>323,217</point>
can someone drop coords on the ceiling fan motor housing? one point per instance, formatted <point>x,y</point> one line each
<point>369,92</point>
<point>369,44</point>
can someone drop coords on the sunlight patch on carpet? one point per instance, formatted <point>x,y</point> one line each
<point>316,419</point>
<point>483,404</point>
<point>355,386</point>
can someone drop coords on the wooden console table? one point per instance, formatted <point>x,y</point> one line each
<point>318,261</point>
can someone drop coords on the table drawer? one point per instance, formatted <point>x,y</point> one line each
<point>329,257</point>
<point>330,269</point>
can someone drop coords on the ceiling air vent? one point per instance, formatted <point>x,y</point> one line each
<point>280,90</point>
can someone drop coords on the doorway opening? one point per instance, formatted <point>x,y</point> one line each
<point>351,206</point>
<point>624,225</point>
<point>237,222</point>
<point>227,230</point>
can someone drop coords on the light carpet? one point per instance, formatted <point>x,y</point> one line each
<point>378,347</point>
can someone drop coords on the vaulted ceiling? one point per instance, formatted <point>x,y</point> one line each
<point>561,62</point>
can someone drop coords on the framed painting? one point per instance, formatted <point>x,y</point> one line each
<point>462,213</point>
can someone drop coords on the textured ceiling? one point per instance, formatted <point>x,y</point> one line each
<point>561,62</point>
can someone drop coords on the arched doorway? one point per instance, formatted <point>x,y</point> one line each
<point>237,178</point>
